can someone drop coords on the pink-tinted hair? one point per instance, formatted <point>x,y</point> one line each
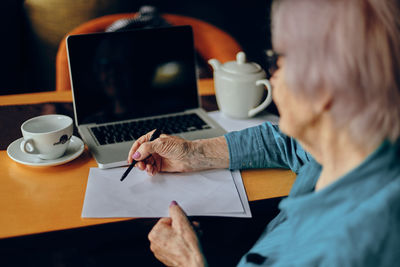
<point>350,48</point>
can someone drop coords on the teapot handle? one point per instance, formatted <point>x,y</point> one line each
<point>267,100</point>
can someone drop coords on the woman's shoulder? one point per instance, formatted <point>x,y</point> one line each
<point>371,231</point>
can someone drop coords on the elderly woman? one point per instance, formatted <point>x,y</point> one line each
<point>337,89</point>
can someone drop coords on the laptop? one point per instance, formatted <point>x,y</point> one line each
<point>126,84</point>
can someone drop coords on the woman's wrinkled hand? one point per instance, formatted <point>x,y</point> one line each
<point>167,154</point>
<point>174,241</point>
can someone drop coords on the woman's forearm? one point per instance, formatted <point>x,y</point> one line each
<point>209,154</point>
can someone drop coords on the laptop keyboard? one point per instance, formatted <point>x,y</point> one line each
<point>123,132</point>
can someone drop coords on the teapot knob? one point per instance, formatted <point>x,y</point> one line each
<point>241,58</point>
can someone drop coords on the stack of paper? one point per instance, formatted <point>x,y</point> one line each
<point>230,124</point>
<point>215,192</point>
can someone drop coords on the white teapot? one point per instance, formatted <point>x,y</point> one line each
<point>239,87</point>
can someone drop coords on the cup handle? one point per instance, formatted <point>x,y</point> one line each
<point>27,146</point>
<point>267,100</point>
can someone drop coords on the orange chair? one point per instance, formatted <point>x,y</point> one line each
<point>209,41</point>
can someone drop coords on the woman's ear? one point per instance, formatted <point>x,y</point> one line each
<point>323,103</point>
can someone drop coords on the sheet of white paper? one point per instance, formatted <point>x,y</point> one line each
<point>201,193</point>
<point>230,124</point>
<point>237,178</point>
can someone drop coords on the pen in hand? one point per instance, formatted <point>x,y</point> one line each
<point>153,137</point>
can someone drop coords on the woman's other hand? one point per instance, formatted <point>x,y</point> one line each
<point>174,241</point>
<point>174,154</point>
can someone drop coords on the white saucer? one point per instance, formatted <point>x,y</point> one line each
<point>74,150</point>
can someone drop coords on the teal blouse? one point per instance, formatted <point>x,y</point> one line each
<point>354,221</point>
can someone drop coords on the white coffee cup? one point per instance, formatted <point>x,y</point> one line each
<point>47,136</point>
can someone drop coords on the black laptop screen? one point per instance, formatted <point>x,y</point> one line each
<point>132,74</point>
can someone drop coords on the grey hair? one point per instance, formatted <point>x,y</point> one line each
<point>350,48</point>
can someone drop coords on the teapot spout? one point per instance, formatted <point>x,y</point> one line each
<point>215,64</point>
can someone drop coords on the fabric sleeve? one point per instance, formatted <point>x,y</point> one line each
<point>264,146</point>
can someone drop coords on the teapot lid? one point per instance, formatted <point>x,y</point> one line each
<point>241,65</point>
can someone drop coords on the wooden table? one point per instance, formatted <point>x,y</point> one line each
<point>42,199</point>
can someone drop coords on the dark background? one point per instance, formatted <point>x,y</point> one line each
<point>32,29</point>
